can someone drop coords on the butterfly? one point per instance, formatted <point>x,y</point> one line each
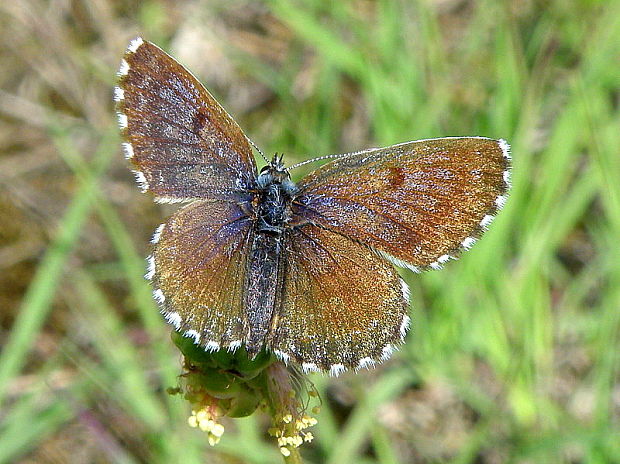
<point>304,270</point>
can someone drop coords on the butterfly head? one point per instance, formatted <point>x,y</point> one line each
<point>276,174</point>
<point>277,162</point>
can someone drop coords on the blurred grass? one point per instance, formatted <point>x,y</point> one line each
<point>513,356</point>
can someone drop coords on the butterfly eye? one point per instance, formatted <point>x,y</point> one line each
<point>265,177</point>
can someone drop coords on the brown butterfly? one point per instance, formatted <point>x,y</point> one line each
<point>304,270</point>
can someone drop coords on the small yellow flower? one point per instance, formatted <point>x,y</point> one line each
<point>217,430</point>
<point>308,421</point>
<point>206,425</point>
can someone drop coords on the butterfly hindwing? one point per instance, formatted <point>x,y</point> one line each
<point>342,305</point>
<point>198,270</point>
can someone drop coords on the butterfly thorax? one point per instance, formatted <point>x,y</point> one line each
<point>276,191</point>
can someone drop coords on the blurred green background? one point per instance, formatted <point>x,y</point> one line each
<point>513,354</point>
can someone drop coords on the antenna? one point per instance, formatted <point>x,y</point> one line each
<point>320,158</point>
<point>337,155</point>
<point>258,150</point>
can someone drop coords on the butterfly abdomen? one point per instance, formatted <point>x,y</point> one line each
<point>262,287</point>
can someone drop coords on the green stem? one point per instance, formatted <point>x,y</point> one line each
<point>294,458</point>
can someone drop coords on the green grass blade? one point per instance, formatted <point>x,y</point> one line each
<point>39,296</point>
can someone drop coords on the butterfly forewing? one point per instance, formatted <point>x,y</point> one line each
<point>342,305</point>
<point>181,142</point>
<point>418,203</point>
<point>198,270</point>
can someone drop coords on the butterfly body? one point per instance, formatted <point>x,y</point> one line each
<point>304,270</point>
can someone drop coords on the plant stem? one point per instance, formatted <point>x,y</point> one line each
<point>294,458</point>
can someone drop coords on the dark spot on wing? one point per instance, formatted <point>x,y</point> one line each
<point>199,121</point>
<point>396,177</point>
